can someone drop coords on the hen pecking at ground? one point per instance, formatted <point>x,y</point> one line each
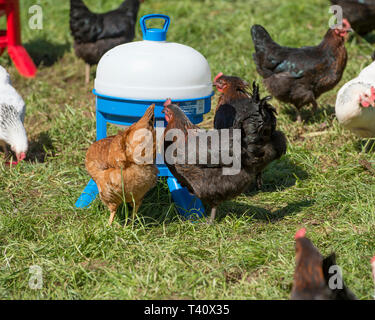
<point>12,115</point>
<point>123,165</point>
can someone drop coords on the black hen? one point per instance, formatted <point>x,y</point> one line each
<point>96,33</point>
<point>236,109</point>
<point>208,181</point>
<point>360,13</point>
<point>300,75</point>
<point>312,274</point>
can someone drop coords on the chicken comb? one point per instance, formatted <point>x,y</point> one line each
<point>218,76</point>
<point>167,102</point>
<point>373,93</point>
<point>346,23</point>
<point>300,233</point>
<point>373,260</point>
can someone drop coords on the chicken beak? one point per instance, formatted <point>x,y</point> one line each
<point>20,156</point>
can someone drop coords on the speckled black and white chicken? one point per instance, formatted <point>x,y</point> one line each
<point>12,114</point>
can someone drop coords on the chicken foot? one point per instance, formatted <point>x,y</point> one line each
<point>113,210</point>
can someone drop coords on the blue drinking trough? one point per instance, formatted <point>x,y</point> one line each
<point>125,112</point>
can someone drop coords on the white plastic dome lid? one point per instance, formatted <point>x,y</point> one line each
<point>153,69</point>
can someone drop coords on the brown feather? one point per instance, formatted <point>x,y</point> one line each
<point>111,164</point>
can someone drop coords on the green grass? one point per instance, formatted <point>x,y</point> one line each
<point>249,252</point>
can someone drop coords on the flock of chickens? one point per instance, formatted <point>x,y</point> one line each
<point>292,75</point>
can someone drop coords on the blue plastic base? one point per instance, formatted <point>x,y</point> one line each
<point>88,195</point>
<point>189,206</point>
<point>126,112</point>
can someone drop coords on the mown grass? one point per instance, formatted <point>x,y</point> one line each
<point>249,252</point>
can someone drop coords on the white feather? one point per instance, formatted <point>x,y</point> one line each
<point>349,112</point>
<point>9,95</point>
<point>12,114</point>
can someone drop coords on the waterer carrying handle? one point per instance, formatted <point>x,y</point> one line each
<point>154,34</point>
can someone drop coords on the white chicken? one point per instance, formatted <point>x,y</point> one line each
<point>12,114</point>
<point>355,104</point>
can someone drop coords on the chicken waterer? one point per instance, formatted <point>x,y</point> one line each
<point>132,76</point>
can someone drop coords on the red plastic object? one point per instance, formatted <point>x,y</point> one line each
<point>11,39</point>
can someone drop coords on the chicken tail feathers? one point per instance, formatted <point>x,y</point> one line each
<point>261,37</point>
<point>148,119</point>
<point>342,292</point>
<point>261,143</point>
<point>263,45</point>
<point>262,102</point>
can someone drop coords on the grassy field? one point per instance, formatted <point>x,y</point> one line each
<point>249,252</point>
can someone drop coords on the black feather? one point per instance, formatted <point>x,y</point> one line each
<point>96,33</point>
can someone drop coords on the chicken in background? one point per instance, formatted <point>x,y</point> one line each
<point>115,166</point>
<point>96,33</point>
<point>355,103</point>
<point>12,115</point>
<point>233,108</point>
<point>207,181</point>
<point>311,276</point>
<point>300,75</point>
<point>360,13</point>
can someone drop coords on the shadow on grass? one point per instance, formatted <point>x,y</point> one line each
<point>308,115</point>
<point>238,209</point>
<point>44,52</point>
<point>365,145</point>
<point>279,175</point>
<point>40,147</point>
<point>157,207</point>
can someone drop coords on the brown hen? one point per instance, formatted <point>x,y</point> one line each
<point>123,165</point>
<point>313,273</point>
<point>300,75</point>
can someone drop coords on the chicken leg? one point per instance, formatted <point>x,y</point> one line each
<point>259,181</point>
<point>212,217</point>
<point>315,106</point>
<point>113,210</point>
<point>87,74</point>
<point>299,117</point>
